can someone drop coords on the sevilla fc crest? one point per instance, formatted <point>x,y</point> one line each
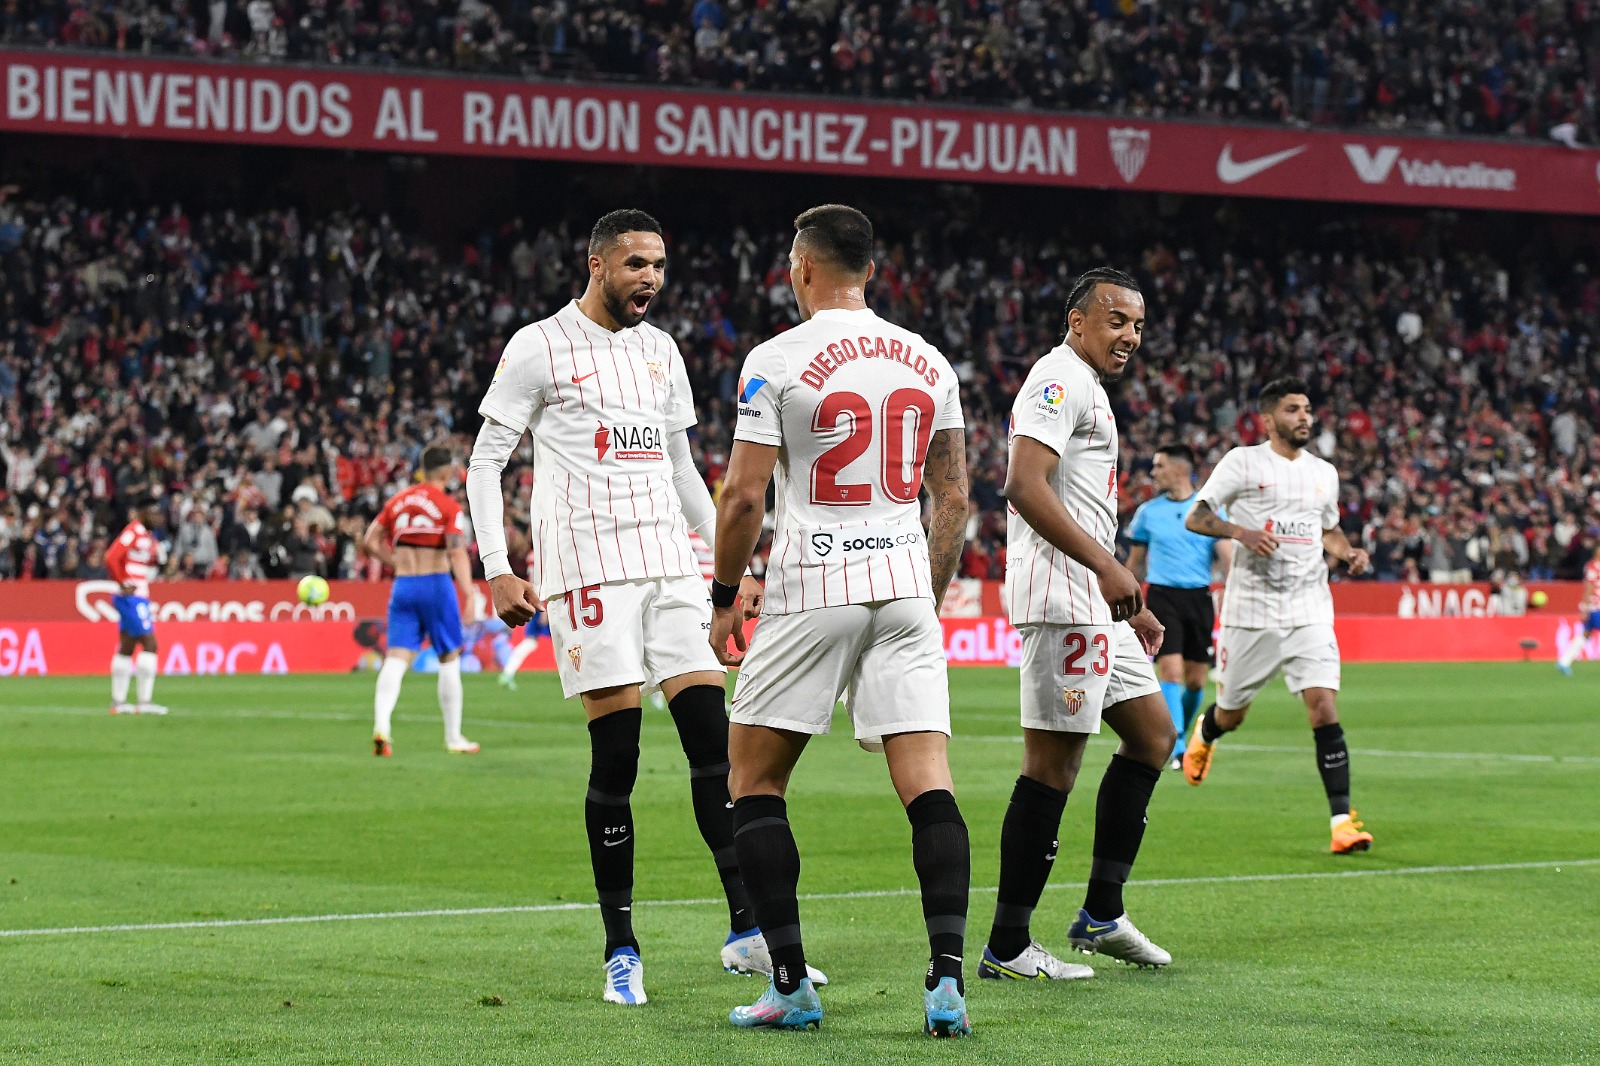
<point>658,371</point>
<point>1129,149</point>
<point>1073,698</point>
<point>575,653</point>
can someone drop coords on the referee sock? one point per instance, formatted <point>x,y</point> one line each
<point>943,859</point>
<point>1027,852</point>
<point>608,819</point>
<point>1119,821</point>
<point>771,864</point>
<point>703,731</point>
<point>1173,692</point>
<point>1333,761</point>
<point>1191,706</point>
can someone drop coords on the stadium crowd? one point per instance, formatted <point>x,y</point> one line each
<point>1519,67</point>
<point>272,377</point>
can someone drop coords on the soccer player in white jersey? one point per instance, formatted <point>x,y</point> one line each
<point>615,492</point>
<point>856,416</point>
<point>1086,641</point>
<point>1277,610</point>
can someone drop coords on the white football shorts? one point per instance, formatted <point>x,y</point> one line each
<point>1071,674</point>
<point>1247,659</point>
<point>885,659</point>
<point>632,633</point>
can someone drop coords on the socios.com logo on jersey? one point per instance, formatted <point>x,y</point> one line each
<point>1054,394</point>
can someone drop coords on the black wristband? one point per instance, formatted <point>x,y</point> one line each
<point>723,596</point>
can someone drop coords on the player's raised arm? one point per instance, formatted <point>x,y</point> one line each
<point>1029,488</point>
<point>944,475</point>
<point>739,512</point>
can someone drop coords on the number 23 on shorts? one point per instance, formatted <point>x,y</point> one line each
<point>1077,644</point>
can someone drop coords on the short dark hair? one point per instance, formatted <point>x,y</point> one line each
<point>434,458</point>
<point>1275,390</point>
<point>840,235</point>
<point>1083,290</point>
<point>614,224</point>
<point>1177,451</point>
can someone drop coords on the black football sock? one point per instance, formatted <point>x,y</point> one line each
<point>943,860</point>
<point>771,864</point>
<point>1119,820</point>
<point>703,730</point>
<point>1209,729</point>
<point>1027,853</point>
<point>608,816</point>
<point>1333,760</point>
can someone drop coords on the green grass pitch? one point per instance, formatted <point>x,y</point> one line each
<point>1467,934</point>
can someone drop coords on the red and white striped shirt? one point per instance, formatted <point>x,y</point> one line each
<point>851,401</point>
<point>1063,406</point>
<point>1294,499</point>
<point>600,406</point>
<point>133,558</point>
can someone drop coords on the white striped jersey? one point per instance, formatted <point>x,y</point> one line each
<point>1294,499</point>
<point>851,402</point>
<point>704,558</point>
<point>1063,406</point>
<point>600,406</point>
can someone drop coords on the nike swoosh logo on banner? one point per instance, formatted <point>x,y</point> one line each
<point>576,380</point>
<point>1232,172</point>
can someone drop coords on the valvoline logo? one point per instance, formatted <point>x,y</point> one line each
<point>748,389</point>
<point>1054,394</point>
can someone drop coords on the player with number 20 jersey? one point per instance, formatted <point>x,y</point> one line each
<point>854,416</point>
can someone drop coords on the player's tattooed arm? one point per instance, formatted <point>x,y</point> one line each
<point>944,475</point>
<point>1202,519</point>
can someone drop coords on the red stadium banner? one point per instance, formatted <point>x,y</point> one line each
<point>38,649</point>
<point>192,601</point>
<point>278,601</point>
<point>110,95</point>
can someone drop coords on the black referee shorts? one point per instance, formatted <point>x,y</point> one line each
<point>1189,616</point>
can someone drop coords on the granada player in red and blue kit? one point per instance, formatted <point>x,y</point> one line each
<point>1589,608</point>
<point>132,560</point>
<point>421,535</point>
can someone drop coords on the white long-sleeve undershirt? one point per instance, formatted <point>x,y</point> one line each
<point>490,453</point>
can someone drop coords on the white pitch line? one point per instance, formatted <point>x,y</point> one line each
<point>547,908</point>
<point>1012,738</point>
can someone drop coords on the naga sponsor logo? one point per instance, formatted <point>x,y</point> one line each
<point>627,442</point>
<point>93,601</point>
<point>1302,530</point>
<point>1375,168</point>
